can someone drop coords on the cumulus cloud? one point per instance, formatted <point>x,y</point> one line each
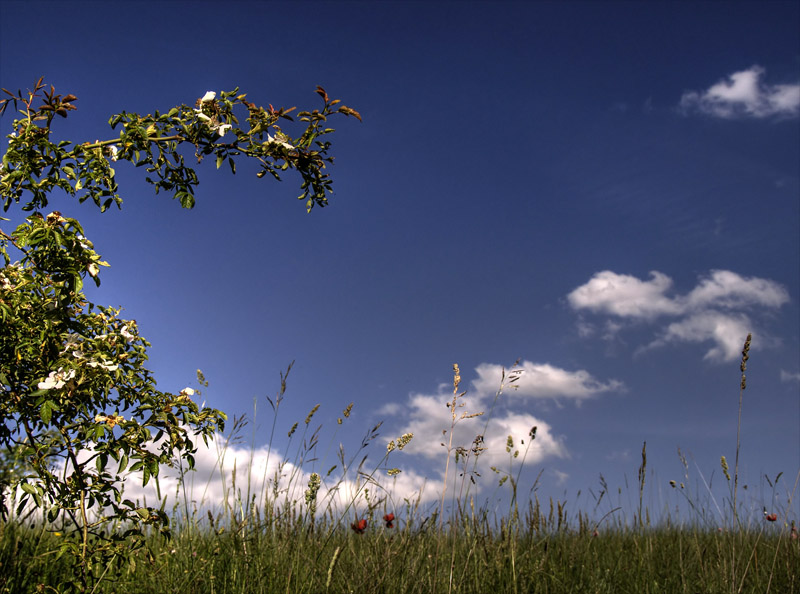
<point>714,310</point>
<point>430,419</point>
<point>726,331</point>
<point>728,290</point>
<point>743,94</point>
<point>625,296</point>
<point>231,476</point>
<point>542,380</point>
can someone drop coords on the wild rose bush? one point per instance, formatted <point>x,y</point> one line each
<point>79,408</point>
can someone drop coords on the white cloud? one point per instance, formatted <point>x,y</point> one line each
<point>726,331</point>
<point>625,296</point>
<point>546,445</point>
<point>789,377</point>
<point>430,421</point>
<point>429,418</point>
<point>542,380</point>
<point>230,478</point>
<point>714,310</point>
<point>561,477</point>
<point>725,289</point>
<point>744,95</point>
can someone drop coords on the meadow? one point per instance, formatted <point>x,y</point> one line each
<point>298,540</point>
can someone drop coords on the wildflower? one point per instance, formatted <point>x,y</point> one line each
<point>359,526</point>
<point>106,366</point>
<point>389,519</point>
<point>187,392</point>
<point>57,379</point>
<point>110,152</point>
<point>93,269</point>
<point>126,334</point>
<point>279,141</point>
<point>771,517</point>
<point>202,116</point>
<point>209,96</point>
<point>794,534</point>
<point>222,129</point>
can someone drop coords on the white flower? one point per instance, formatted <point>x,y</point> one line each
<point>111,152</point>
<point>57,379</point>
<point>106,366</point>
<point>202,116</point>
<point>223,128</point>
<point>187,392</point>
<point>85,243</point>
<point>282,143</point>
<point>209,96</point>
<point>93,269</point>
<point>126,334</point>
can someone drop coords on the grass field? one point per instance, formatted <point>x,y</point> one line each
<point>278,542</point>
<point>473,553</point>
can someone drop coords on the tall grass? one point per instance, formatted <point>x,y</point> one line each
<point>285,531</point>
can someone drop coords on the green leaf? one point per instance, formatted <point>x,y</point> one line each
<point>46,411</point>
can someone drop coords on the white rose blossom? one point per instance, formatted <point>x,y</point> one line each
<point>283,143</point>
<point>209,96</point>
<point>106,366</point>
<point>111,152</point>
<point>126,334</point>
<point>57,379</point>
<point>223,128</point>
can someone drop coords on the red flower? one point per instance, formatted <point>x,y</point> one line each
<point>359,526</point>
<point>771,517</point>
<point>389,519</point>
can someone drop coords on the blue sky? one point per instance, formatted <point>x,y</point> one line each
<point>608,192</point>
